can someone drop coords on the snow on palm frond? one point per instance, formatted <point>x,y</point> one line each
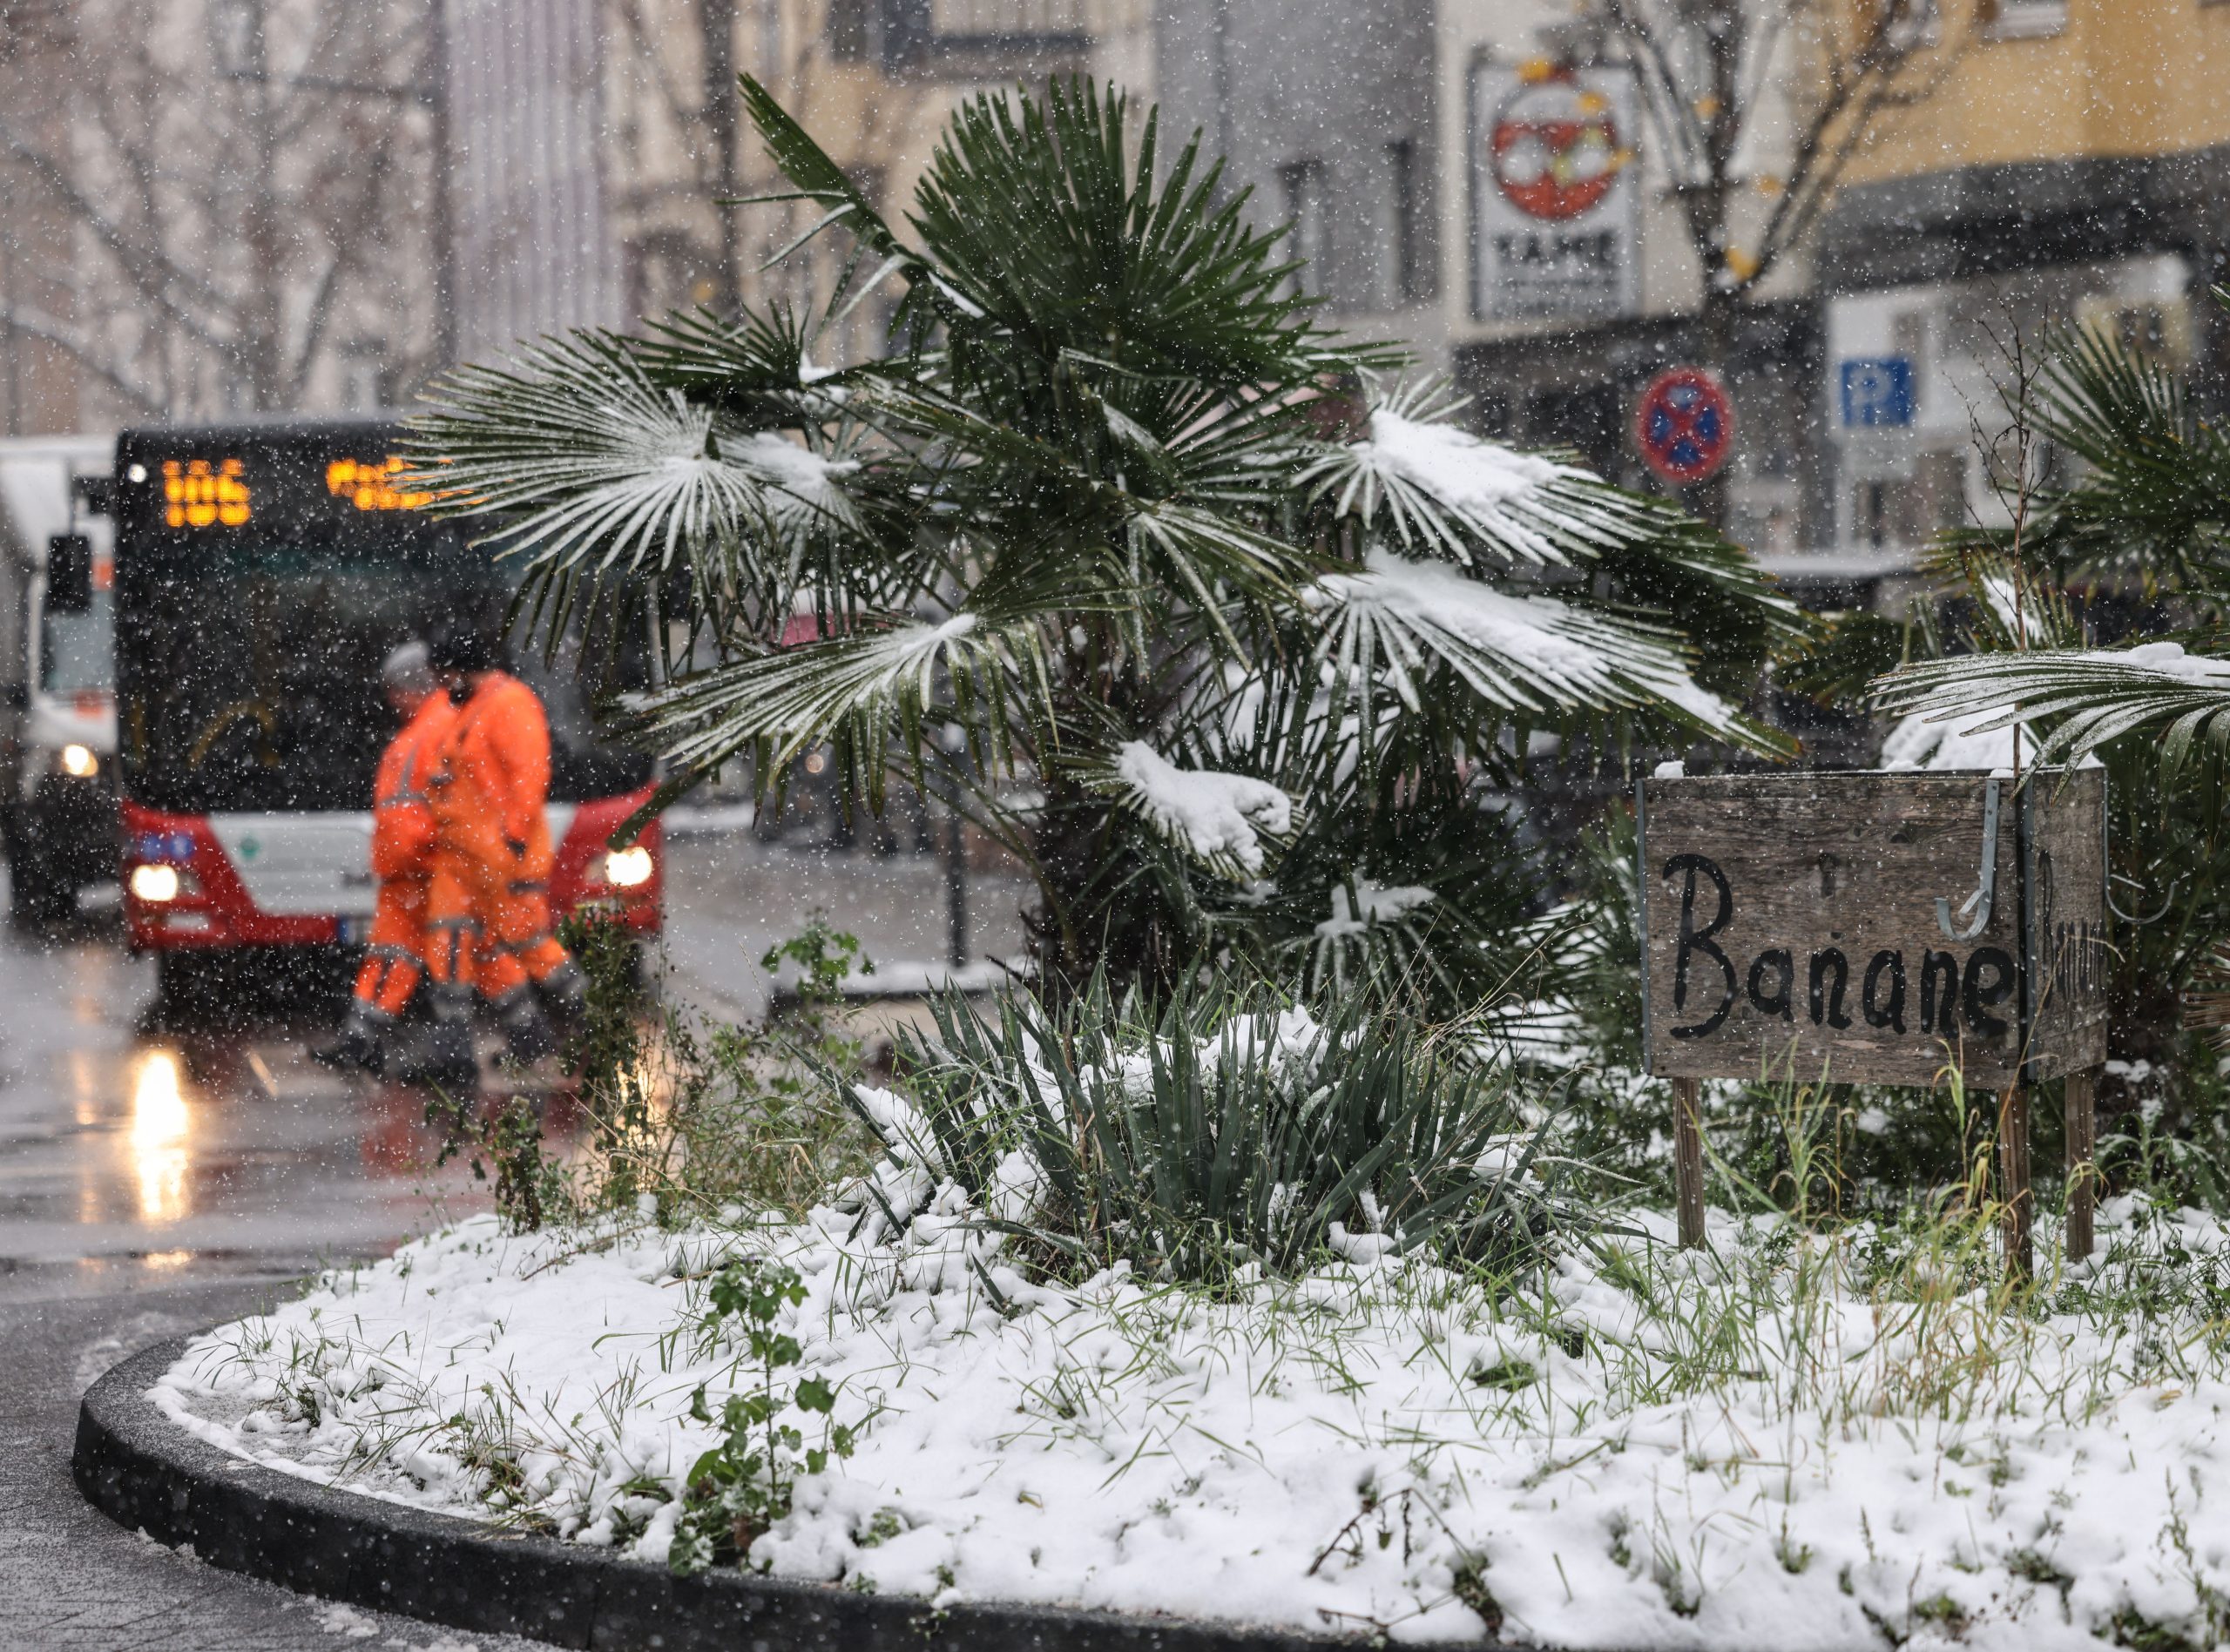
<point>1437,489</point>
<point>2102,694</point>
<point>587,460</point>
<point>1397,621</point>
<point>1369,924</point>
<point>1230,823</point>
<point>869,688</point>
<point>1919,743</point>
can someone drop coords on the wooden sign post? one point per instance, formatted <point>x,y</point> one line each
<point>1880,928</point>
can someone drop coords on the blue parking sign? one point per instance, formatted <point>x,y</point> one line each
<point>1877,391</point>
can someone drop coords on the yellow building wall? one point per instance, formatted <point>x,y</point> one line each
<point>2120,77</point>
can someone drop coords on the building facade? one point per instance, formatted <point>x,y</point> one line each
<point>2074,169</point>
<point>873,81</point>
<point>1327,113</point>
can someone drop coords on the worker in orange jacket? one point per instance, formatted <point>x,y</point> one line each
<point>488,895</point>
<point>402,840</point>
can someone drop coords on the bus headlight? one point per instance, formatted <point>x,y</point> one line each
<point>627,869</point>
<point>79,762</point>
<point>154,883</point>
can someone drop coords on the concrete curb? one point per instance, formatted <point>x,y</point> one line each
<point>147,1474</point>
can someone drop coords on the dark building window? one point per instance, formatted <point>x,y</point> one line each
<point>1409,255</point>
<point>1309,210</point>
<point>851,30</point>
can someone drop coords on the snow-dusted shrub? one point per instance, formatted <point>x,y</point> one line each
<point>1223,1129</point>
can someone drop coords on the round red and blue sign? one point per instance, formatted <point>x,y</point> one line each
<point>1684,425</point>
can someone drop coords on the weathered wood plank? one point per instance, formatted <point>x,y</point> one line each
<point>2080,1108</point>
<point>1688,1161</point>
<point>2066,885</point>
<point>1789,920</point>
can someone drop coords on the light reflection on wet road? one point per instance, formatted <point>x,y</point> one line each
<point>161,1171</point>
<point>137,1137</point>
<point>126,1141</point>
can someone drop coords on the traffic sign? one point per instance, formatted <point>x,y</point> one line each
<point>1684,425</point>
<point>1877,392</point>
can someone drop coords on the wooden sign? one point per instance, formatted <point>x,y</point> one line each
<point>1796,917</point>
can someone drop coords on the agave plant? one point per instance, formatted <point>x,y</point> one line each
<point>1220,628</point>
<point>1224,1128</point>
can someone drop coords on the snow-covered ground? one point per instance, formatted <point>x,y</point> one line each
<point>1788,1443</point>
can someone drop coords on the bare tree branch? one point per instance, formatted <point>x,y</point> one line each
<point>152,272</point>
<point>32,325</point>
<point>220,224</point>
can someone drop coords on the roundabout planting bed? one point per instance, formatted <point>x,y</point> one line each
<point>1794,1441</point>
<point>135,1466</point>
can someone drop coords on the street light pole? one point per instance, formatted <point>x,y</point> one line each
<point>435,83</point>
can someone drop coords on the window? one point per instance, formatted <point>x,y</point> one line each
<point>1909,25</point>
<point>1301,188</point>
<point>851,30</point>
<point>1408,271</point>
<point>2023,19</point>
<point>1008,20</point>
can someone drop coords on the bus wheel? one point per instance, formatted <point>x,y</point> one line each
<point>35,896</point>
<point>181,980</point>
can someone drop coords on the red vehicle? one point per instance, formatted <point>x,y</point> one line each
<point>263,572</point>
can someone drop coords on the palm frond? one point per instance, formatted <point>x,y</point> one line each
<point>2088,699</point>
<point>1437,489</point>
<point>1234,825</point>
<point>756,367</point>
<point>817,177</point>
<point>2157,475</point>
<point>2152,491</point>
<point>1392,626</point>
<point>577,457</point>
<point>1043,226</point>
<point>884,683</point>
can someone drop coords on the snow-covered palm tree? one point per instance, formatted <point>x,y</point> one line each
<point>2147,518</point>
<point>2150,512</point>
<point>1216,626</point>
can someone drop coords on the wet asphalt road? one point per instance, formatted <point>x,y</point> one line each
<point>163,1169</point>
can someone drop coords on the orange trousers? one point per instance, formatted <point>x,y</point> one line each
<point>487,920</point>
<point>392,957</point>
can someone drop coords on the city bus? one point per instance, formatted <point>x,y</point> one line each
<point>59,748</point>
<point>263,572</point>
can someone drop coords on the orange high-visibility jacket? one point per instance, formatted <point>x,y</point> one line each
<point>496,770</point>
<point>402,824</point>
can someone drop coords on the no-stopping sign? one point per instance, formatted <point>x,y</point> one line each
<point>1684,425</point>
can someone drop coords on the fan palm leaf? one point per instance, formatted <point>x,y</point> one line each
<point>1402,627</point>
<point>2088,699</point>
<point>873,690</point>
<point>583,465</point>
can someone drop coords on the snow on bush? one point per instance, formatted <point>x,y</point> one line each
<point>1215,818</point>
<point>1789,1442</point>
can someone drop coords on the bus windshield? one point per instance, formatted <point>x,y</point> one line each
<point>248,662</point>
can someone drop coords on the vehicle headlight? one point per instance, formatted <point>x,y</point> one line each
<point>627,869</point>
<point>154,883</point>
<point>79,762</point>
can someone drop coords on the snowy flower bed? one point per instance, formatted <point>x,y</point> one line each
<point>1794,1441</point>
